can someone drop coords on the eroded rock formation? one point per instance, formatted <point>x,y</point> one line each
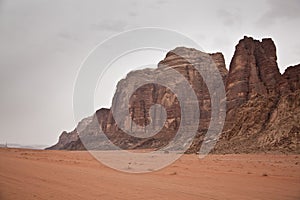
<point>263,106</point>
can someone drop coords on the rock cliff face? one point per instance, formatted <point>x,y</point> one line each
<point>263,106</point>
<point>253,71</point>
<point>148,95</point>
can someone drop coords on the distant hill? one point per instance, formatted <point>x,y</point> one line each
<point>13,145</point>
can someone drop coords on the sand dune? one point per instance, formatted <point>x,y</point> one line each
<point>36,174</point>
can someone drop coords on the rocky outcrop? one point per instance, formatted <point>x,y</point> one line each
<point>292,78</point>
<point>253,71</point>
<point>68,141</point>
<point>263,106</point>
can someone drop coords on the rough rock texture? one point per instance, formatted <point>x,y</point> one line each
<point>68,141</point>
<point>292,77</point>
<point>148,95</point>
<point>263,106</point>
<point>253,71</point>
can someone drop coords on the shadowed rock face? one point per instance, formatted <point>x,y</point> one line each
<point>263,106</point>
<point>292,78</point>
<point>253,71</point>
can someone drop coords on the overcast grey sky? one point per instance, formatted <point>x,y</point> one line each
<point>42,44</point>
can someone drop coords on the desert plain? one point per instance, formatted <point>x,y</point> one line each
<point>71,175</point>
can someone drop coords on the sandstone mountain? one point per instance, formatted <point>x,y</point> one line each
<point>263,106</point>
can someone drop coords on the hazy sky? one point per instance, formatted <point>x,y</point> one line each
<point>42,44</point>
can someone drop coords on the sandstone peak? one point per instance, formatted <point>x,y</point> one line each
<point>263,106</point>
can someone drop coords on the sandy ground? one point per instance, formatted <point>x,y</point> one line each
<point>32,174</point>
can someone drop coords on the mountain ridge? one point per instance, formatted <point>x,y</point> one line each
<point>262,113</point>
